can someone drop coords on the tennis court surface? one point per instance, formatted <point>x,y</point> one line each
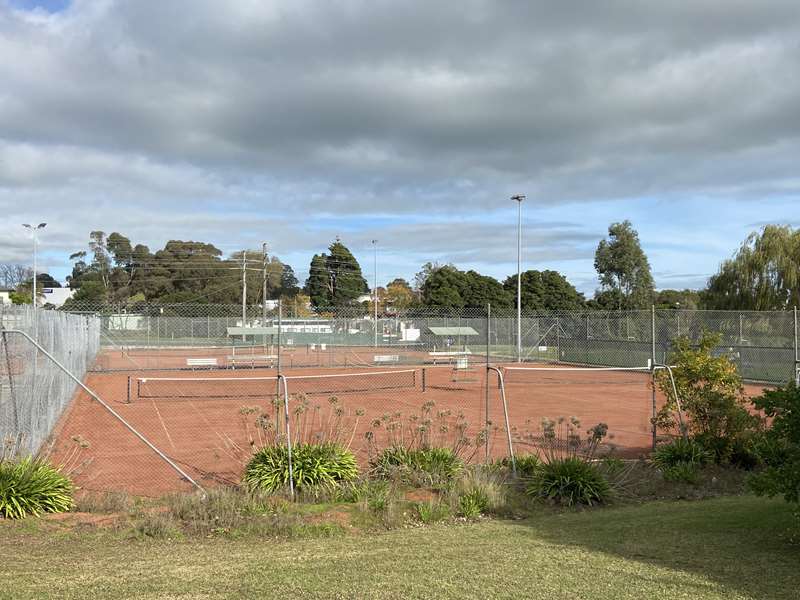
<point>209,421</point>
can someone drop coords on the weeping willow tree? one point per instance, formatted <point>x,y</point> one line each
<point>764,274</point>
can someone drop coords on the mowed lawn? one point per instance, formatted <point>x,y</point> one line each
<point>734,547</point>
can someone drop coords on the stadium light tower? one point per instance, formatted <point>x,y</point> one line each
<point>518,199</point>
<point>34,229</point>
<point>375,286</point>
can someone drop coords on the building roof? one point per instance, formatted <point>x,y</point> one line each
<point>462,331</point>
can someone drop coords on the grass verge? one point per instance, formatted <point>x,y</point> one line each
<point>732,547</point>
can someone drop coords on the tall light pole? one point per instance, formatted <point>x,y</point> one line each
<point>244,290</point>
<point>519,198</point>
<point>375,287</point>
<point>264,290</point>
<point>35,243</point>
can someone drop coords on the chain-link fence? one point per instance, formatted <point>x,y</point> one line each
<point>763,344</point>
<point>34,389</point>
<point>184,394</point>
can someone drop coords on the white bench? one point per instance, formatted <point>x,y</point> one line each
<point>382,359</point>
<point>201,362</point>
<point>447,356</point>
<point>251,359</point>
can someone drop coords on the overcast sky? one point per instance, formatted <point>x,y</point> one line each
<point>409,122</point>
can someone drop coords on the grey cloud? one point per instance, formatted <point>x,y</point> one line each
<point>160,117</point>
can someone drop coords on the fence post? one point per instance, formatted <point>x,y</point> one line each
<point>558,340</point>
<point>278,367</point>
<point>488,361</point>
<point>653,368</point>
<point>796,351</point>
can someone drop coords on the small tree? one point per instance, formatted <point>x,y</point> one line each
<point>780,449</point>
<point>711,395</point>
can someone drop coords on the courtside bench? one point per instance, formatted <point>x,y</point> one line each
<point>386,359</point>
<point>252,360</point>
<point>201,363</point>
<point>447,357</point>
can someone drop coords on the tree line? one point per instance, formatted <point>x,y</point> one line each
<point>763,274</point>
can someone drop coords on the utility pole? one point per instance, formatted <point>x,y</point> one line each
<point>518,199</point>
<point>375,287</point>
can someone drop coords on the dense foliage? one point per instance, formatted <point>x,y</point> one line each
<point>569,481</point>
<point>115,270</point>
<point>712,397</point>
<point>30,486</point>
<point>435,464</point>
<point>763,275</point>
<point>780,448</point>
<point>624,270</point>
<point>680,450</point>
<point>545,290</point>
<point>323,465</point>
<point>335,279</point>
<point>448,287</point>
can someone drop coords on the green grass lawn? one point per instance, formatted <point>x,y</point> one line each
<point>733,547</point>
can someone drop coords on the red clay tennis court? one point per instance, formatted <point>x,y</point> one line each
<point>208,421</point>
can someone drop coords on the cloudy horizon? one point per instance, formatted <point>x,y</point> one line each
<point>411,123</point>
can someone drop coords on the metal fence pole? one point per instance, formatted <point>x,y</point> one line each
<point>488,361</point>
<point>796,351</point>
<point>278,365</point>
<point>653,369</point>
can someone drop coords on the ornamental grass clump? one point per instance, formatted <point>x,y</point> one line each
<point>417,465</point>
<point>568,475</point>
<point>30,487</point>
<point>570,481</point>
<point>314,466</point>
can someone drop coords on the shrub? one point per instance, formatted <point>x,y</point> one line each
<point>435,465</point>
<point>431,512</point>
<point>711,396</point>
<point>527,465</point>
<point>30,486</point>
<point>779,449</point>
<point>323,465</point>
<point>570,481</point>
<point>680,451</point>
<point>686,472</point>
<point>473,503</point>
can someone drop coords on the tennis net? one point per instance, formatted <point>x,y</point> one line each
<point>576,375</point>
<point>159,388</point>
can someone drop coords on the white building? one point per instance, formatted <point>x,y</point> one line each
<point>5,295</point>
<point>55,296</point>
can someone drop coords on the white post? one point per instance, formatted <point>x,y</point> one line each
<point>375,287</point>
<point>35,267</point>
<point>244,290</point>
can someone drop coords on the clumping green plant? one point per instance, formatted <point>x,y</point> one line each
<point>570,481</point>
<point>681,451</point>
<point>473,504</point>
<point>685,472</point>
<point>323,466</point>
<point>433,465</point>
<point>568,474</point>
<point>711,398</point>
<point>779,449</point>
<point>30,486</point>
<point>527,465</point>
<point>432,511</point>
<point>480,483</point>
